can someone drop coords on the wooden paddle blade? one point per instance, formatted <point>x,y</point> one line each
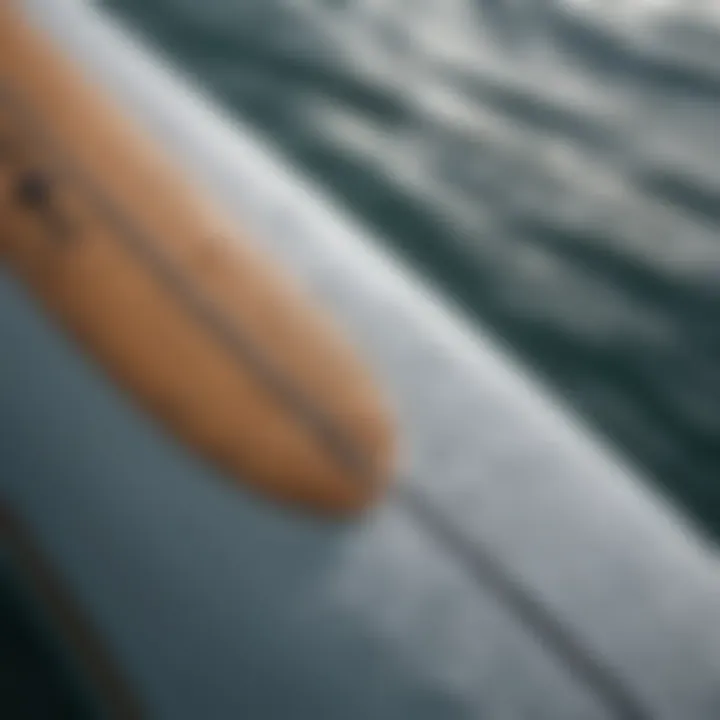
<point>205,331</point>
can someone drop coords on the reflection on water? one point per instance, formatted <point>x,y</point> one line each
<point>555,165</point>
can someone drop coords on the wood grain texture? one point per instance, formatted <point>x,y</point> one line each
<point>205,331</point>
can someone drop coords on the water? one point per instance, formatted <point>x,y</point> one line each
<point>554,166</point>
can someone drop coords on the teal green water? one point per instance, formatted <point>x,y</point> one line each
<point>554,166</point>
